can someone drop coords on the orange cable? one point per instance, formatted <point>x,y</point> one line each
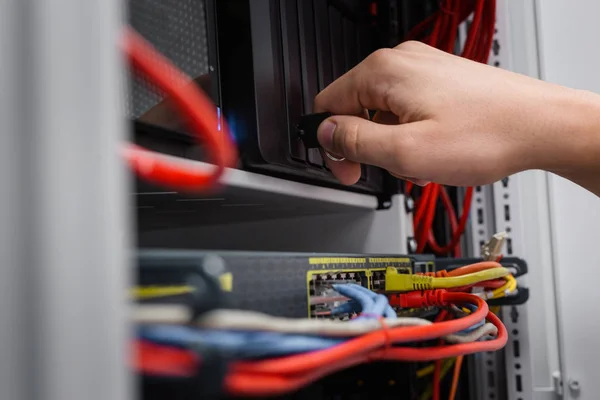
<point>455,377</point>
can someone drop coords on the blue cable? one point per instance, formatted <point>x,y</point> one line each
<point>238,344</point>
<point>472,308</point>
<point>389,311</point>
<point>348,307</point>
<point>366,299</point>
<point>380,304</point>
<point>349,290</point>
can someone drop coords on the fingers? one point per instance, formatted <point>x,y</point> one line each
<point>393,147</point>
<point>363,87</point>
<point>347,172</point>
<point>418,182</point>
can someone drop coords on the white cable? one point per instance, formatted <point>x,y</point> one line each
<point>237,320</point>
<point>254,321</point>
<point>476,334</point>
<point>169,314</point>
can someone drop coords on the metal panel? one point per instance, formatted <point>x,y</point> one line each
<point>515,318</point>
<point>518,209</point>
<point>350,231</point>
<point>64,228</point>
<point>488,376</point>
<point>519,384</point>
<point>177,28</point>
<point>566,36</point>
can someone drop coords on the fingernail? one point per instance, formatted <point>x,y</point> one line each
<point>325,134</point>
<point>421,183</point>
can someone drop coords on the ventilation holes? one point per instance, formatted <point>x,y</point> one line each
<point>507,213</point>
<point>519,383</point>
<point>491,379</point>
<point>516,348</point>
<point>509,249</point>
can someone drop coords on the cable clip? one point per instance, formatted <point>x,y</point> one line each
<point>308,127</point>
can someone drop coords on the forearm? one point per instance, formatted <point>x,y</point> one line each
<point>573,148</point>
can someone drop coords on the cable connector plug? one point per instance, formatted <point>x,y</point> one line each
<point>492,250</point>
<point>427,298</point>
<point>396,282</point>
<point>308,127</point>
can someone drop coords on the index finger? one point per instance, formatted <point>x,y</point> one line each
<point>363,87</point>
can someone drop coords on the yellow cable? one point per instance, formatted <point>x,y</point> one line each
<point>152,292</point>
<point>509,287</point>
<point>428,392</point>
<point>423,372</point>
<point>428,370</point>
<point>397,282</point>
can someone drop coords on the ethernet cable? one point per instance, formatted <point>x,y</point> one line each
<point>201,116</point>
<point>281,375</point>
<point>238,344</point>
<point>397,282</point>
<point>370,302</point>
<point>260,344</point>
<point>507,289</point>
<point>250,321</point>
<point>478,48</point>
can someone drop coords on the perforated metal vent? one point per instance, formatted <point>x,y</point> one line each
<point>177,28</point>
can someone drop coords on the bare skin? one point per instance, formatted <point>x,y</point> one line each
<point>448,120</point>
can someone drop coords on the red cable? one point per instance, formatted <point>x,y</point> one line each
<point>193,104</point>
<point>275,378</point>
<point>437,372</point>
<point>422,205</point>
<point>449,207</point>
<point>477,47</point>
<point>473,268</point>
<point>152,359</point>
<point>372,341</point>
<point>438,363</point>
<point>474,29</point>
<point>433,38</point>
<point>491,22</point>
<point>428,219</point>
<point>462,224</point>
<point>454,24</point>
<point>418,30</point>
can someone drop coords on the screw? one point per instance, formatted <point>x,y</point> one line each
<point>412,245</point>
<point>409,204</point>
<point>574,387</point>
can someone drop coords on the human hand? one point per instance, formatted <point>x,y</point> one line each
<point>446,119</point>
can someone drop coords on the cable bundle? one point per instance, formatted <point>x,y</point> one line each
<point>440,31</point>
<point>272,356</point>
<point>200,113</point>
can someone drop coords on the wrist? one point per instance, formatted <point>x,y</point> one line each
<point>567,133</point>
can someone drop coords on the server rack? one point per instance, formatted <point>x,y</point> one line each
<point>65,223</point>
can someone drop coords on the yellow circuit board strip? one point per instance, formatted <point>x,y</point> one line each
<point>336,260</point>
<point>366,266</point>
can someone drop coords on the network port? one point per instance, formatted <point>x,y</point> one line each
<point>378,280</point>
<point>323,299</point>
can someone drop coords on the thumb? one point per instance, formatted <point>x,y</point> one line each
<point>367,142</point>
